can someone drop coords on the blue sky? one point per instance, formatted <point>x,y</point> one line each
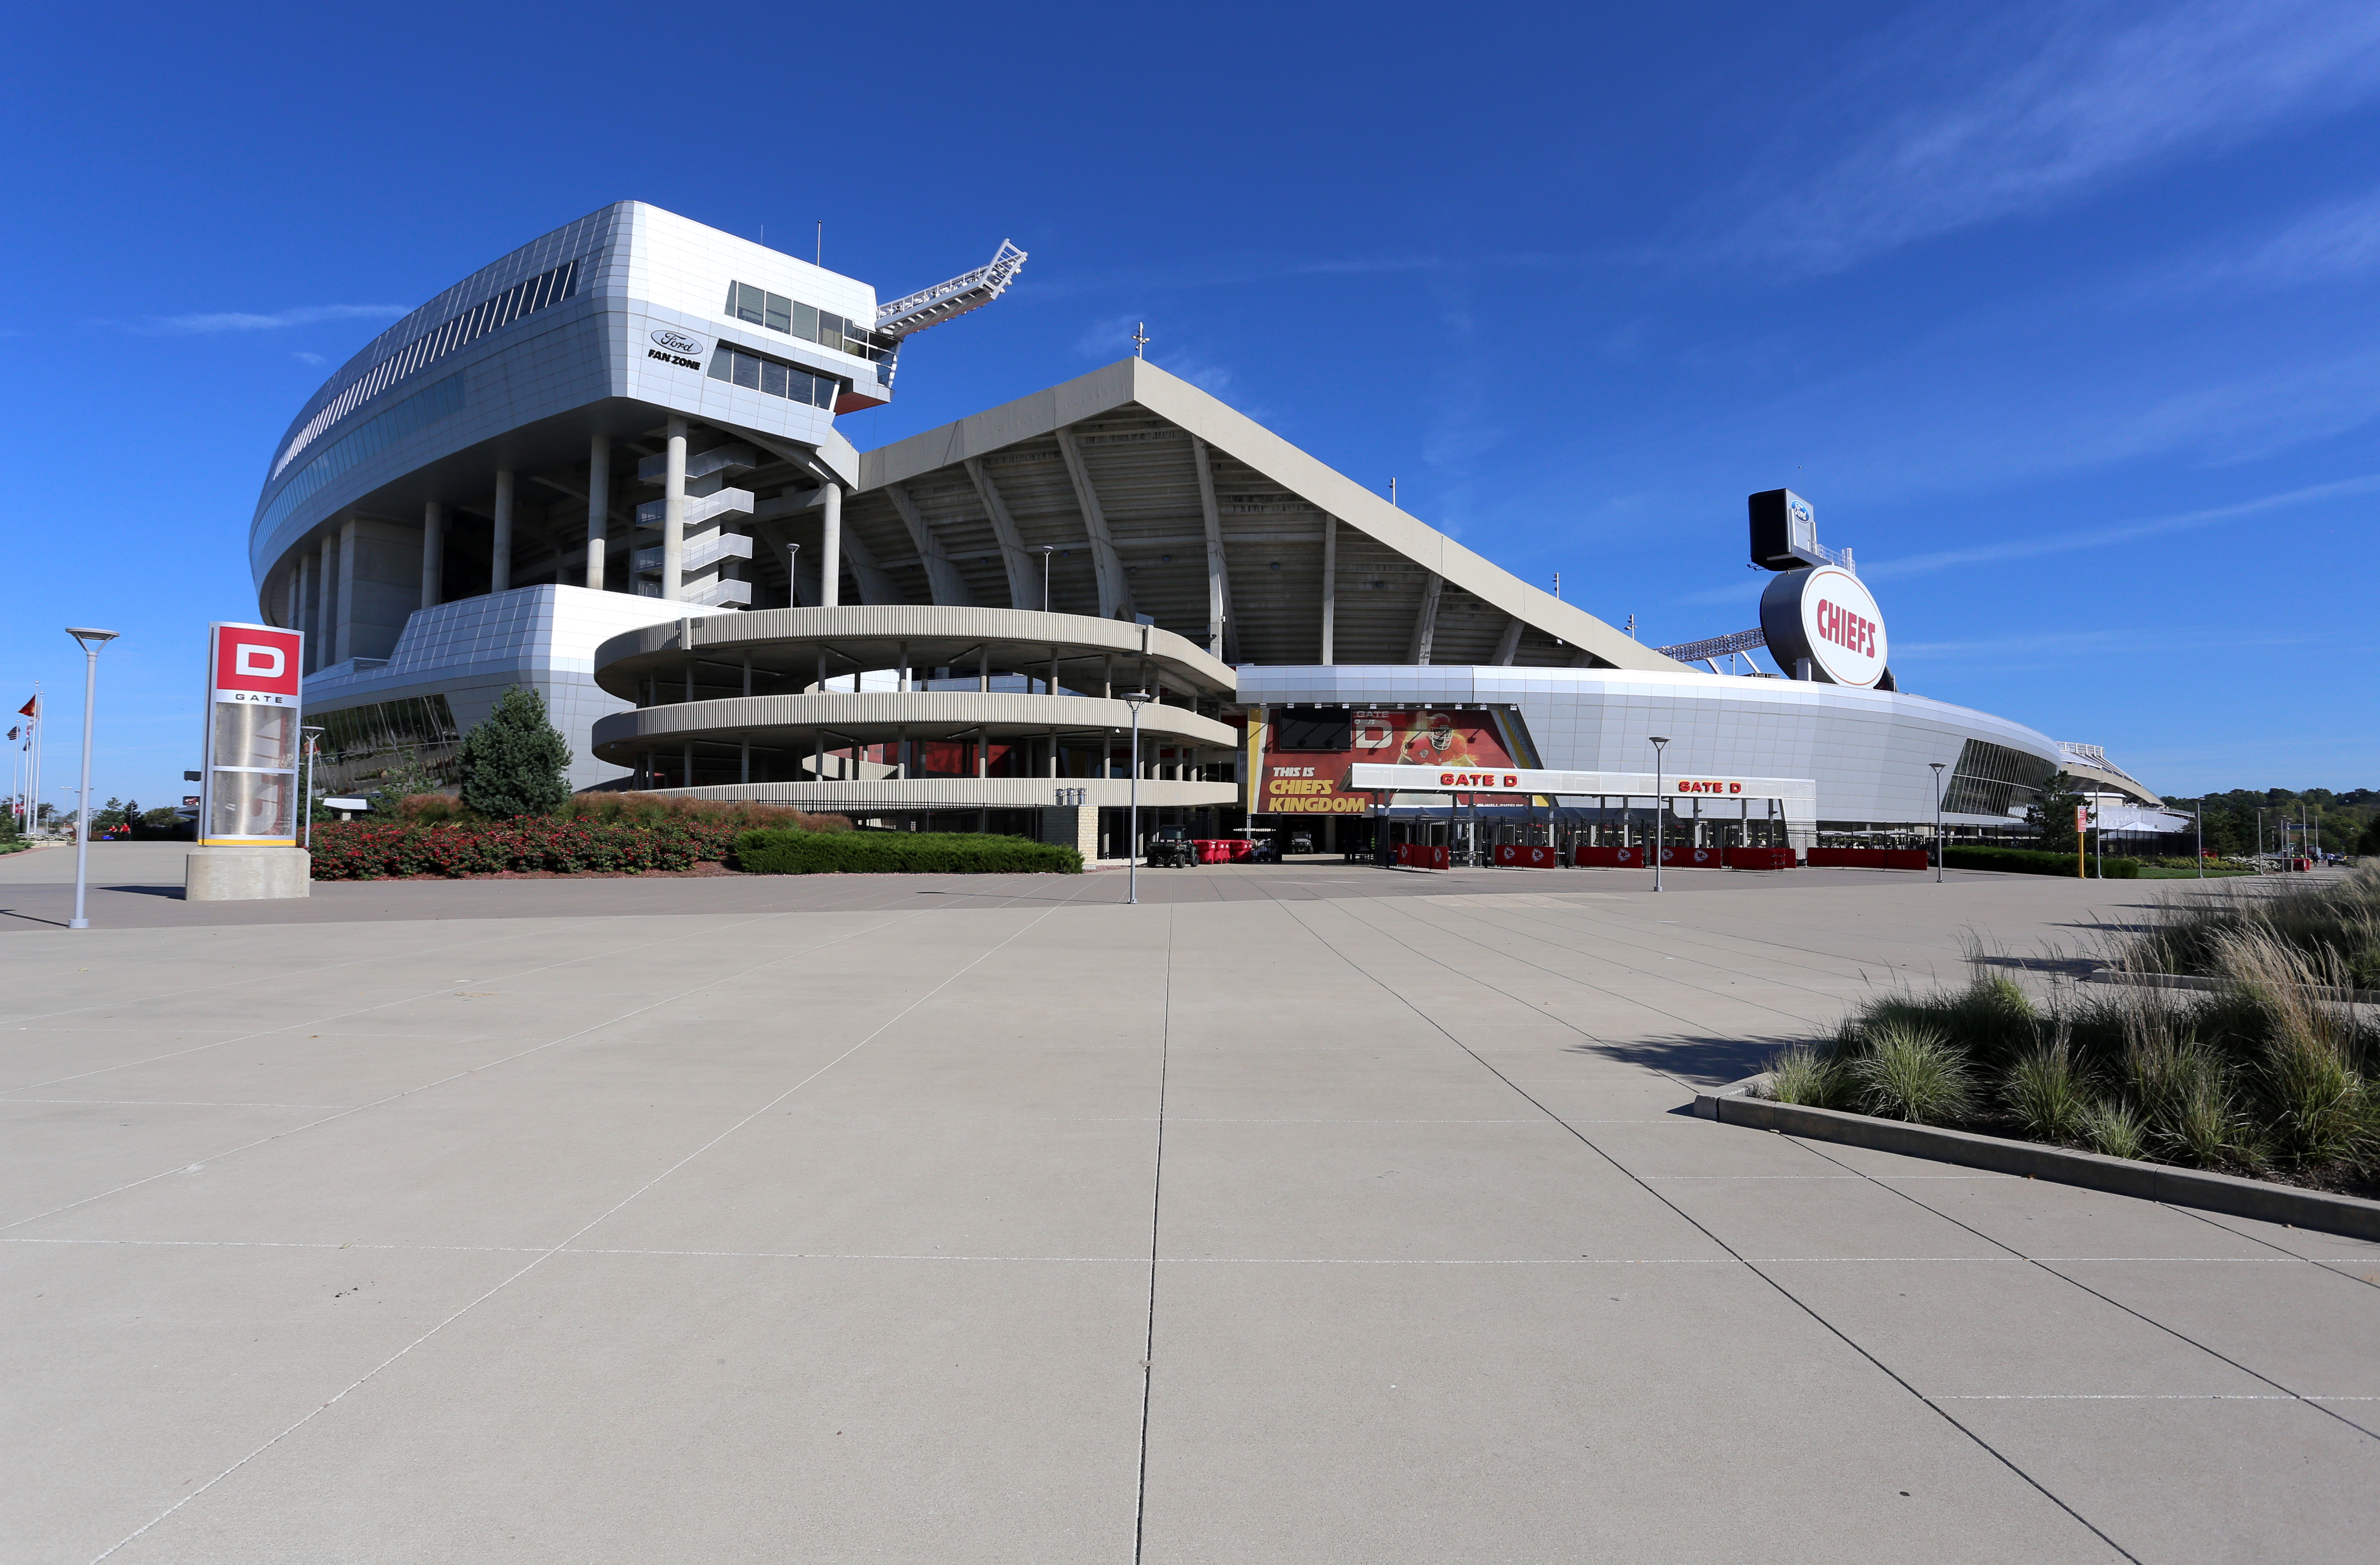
<point>2063,316</point>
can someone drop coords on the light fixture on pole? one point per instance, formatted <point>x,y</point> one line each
<point>1135,699</point>
<point>90,641</point>
<point>1047,550</point>
<point>306,794</point>
<point>1938,766</point>
<point>792,576</point>
<point>1660,805</point>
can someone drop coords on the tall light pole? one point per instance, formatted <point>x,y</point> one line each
<point>1938,819</point>
<point>1135,699</point>
<point>1660,808</point>
<point>306,794</point>
<point>1045,551</point>
<point>792,574</point>
<point>90,641</point>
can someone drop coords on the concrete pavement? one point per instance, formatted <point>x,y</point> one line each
<point>1301,1217</point>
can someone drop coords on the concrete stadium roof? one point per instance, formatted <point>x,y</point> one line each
<point>1139,481</point>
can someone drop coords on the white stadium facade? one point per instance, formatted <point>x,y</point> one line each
<point>607,467</point>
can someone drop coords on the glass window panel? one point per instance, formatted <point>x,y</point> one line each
<point>826,390</point>
<point>772,378</point>
<point>748,371</point>
<point>749,304</point>
<point>830,330</point>
<point>781,313</point>
<point>722,364</point>
<point>804,322</point>
<point>733,289</point>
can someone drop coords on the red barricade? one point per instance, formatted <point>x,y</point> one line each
<point>1679,856</point>
<point>1212,850</point>
<point>1758,858</point>
<point>1421,855</point>
<point>1869,859</point>
<point>1608,858</point>
<point>1517,855</point>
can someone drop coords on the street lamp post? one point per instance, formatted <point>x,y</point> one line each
<point>1047,550</point>
<point>1135,699</point>
<point>305,792</point>
<point>1661,807</point>
<point>792,574</point>
<point>1938,819</point>
<point>91,642</point>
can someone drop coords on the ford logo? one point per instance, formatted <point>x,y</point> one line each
<point>678,342</point>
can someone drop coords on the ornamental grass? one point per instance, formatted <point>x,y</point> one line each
<point>2267,1073</point>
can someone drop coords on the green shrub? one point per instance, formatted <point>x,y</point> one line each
<point>665,809</point>
<point>1912,1073</point>
<point>2029,861</point>
<point>513,762</point>
<point>900,853</point>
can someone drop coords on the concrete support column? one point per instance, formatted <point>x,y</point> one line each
<point>674,516</point>
<point>500,549</point>
<point>599,506</point>
<point>301,615</point>
<point>347,632</point>
<point>434,555</point>
<point>1053,752</point>
<point>982,752</point>
<point>744,761</point>
<point>831,546</point>
<point>326,577</point>
<point>983,670</point>
<point>1330,587</point>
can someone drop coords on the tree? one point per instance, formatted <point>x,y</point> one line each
<point>2052,814</point>
<point>512,761</point>
<point>2370,841</point>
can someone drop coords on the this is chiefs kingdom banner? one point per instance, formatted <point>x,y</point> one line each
<point>1303,756</point>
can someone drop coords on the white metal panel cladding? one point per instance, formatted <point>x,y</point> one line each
<point>1867,750</point>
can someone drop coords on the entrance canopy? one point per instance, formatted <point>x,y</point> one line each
<point>1688,794</point>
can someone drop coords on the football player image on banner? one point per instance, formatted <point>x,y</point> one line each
<point>1304,781</point>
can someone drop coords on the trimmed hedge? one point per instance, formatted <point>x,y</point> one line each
<point>900,853</point>
<point>365,850</point>
<point>2031,861</point>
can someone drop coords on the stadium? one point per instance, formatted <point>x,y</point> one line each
<point>607,467</point>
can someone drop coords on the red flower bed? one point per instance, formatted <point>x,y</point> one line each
<point>373,850</point>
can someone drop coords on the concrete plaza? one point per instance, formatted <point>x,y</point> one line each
<point>1302,1213</point>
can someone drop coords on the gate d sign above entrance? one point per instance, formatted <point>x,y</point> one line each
<point>1824,613</point>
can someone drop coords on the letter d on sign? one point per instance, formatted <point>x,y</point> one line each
<point>259,662</point>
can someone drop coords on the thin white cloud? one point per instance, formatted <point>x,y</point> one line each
<point>2086,105</point>
<point>2126,532</point>
<point>310,358</point>
<point>1889,569</point>
<point>2341,239</point>
<point>209,322</point>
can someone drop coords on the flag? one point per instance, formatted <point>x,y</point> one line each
<point>31,707</point>
<point>12,733</point>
